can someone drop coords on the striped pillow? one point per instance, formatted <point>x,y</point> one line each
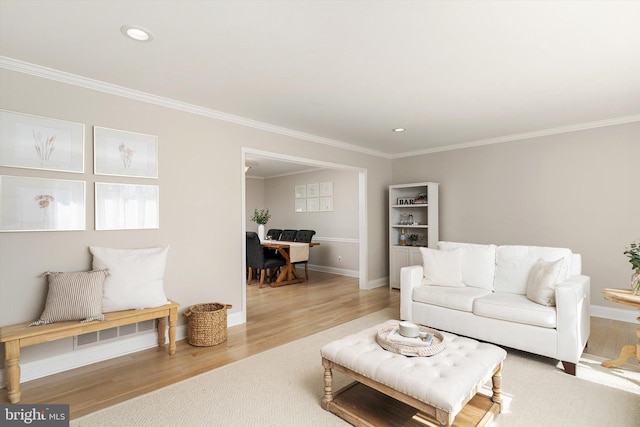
<point>73,296</point>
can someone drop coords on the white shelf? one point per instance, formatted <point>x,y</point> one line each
<point>426,217</point>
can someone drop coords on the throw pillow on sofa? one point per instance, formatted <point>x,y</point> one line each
<point>73,296</point>
<point>136,277</point>
<point>442,268</point>
<point>543,280</point>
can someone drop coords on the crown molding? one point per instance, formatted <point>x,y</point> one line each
<point>73,79</point>
<point>526,135</point>
<point>85,82</point>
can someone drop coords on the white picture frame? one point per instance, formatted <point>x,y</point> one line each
<point>127,206</point>
<point>313,204</point>
<point>326,204</point>
<point>301,205</point>
<point>326,189</point>
<point>123,153</point>
<point>39,204</point>
<point>301,191</point>
<point>34,142</point>
<point>313,190</point>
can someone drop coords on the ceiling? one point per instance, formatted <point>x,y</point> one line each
<point>345,73</point>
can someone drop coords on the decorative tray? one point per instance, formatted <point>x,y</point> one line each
<point>407,348</point>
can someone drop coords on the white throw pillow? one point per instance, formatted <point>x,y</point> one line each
<point>543,280</point>
<point>478,263</point>
<point>442,268</point>
<point>136,277</point>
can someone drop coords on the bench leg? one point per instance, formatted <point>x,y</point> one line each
<point>328,383</point>
<point>162,329</point>
<point>173,321</point>
<point>12,367</point>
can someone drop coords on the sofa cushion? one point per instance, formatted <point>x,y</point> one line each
<point>543,280</point>
<point>449,297</point>
<point>478,263</point>
<point>442,268</point>
<point>513,264</point>
<point>515,308</point>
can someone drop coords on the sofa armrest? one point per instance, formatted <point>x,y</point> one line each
<point>410,277</point>
<point>573,301</point>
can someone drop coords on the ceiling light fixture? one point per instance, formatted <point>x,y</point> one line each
<point>136,33</point>
<point>399,129</point>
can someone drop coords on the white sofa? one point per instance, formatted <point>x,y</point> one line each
<point>491,303</point>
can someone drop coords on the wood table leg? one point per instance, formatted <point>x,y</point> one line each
<point>328,383</point>
<point>628,351</point>
<point>12,368</point>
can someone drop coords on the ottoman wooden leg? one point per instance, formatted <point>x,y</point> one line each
<point>496,380</point>
<point>328,383</point>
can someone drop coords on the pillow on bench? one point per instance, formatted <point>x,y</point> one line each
<point>73,296</point>
<point>136,277</point>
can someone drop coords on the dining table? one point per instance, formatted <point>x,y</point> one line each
<point>292,252</point>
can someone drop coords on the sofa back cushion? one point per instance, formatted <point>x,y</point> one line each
<point>513,264</point>
<point>442,268</point>
<point>478,263</point>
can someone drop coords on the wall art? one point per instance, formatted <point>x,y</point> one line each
<point>37,204</point>
<point>326,189</point>
<point>35,142</point>
<point>313,205</point>
<point>326,204</point>
<point>127,206</point>
<point>301,191</point>
<point>313,190</point>
<point>122,153</point>
<point>301,205</point>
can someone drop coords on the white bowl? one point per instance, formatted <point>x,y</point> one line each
<point>409,330</point>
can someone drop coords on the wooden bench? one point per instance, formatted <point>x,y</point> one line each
<point>21,335</point>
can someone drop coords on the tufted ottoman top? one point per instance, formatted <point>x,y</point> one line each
<point>444,381</point>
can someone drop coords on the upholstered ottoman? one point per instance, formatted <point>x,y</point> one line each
<point>435,388</point>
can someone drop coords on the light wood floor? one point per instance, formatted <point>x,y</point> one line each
<point>275,316</point>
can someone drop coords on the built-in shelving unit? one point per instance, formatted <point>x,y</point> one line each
<point>413,210</point>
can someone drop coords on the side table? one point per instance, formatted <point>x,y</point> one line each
<point>625,297</point>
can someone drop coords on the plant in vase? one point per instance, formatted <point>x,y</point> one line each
<point>261,217</point>
<point>633,252</point>
<point>413,238</point>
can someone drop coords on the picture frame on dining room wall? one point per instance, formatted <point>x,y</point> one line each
<point>301,191</point>
<point>34,142</point>
<point>126,206</point>
<point>124,153</point>
<point>39,204</point>
<point>301,205</point>
<point>313,190</point>
<point>326,189</point>
<point>313,204</point>
<point>326,204</point>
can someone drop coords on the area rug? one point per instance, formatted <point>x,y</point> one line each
<point>283,387</point>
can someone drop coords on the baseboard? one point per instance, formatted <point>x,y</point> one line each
<point>377,283</point>
<point>614,313</point>
<point>97,353</point>
<point>333,270</point>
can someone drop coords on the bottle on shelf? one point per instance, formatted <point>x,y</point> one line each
<point>403,238</point>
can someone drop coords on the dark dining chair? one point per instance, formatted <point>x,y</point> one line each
<point>260,259</point>
<point>274,233</point>
<point>304,236</point>
<point>288,235</point>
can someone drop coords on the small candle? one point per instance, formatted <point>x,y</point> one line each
<point>409,330</point>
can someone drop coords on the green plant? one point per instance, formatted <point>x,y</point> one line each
<point>413,238</point>
<point>633,252</point>
<point>261,216</point>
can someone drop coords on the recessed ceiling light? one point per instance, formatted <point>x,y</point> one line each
<point>136,33</point>
<point>399,129</point>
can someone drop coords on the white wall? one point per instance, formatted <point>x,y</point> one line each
<point>577,190</point>
<point>200,179</point>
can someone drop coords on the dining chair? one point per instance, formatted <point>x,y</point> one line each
<point>288,235</point>
<point>274,233</point>
<point>260,259</point>
<point>304,236</point>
